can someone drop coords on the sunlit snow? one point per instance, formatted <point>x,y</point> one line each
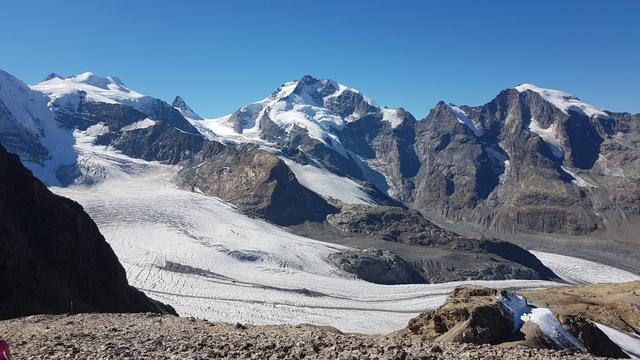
<point>563,101</point>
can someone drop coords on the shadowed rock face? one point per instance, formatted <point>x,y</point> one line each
<point>53,259</point>
<point>595,341</point>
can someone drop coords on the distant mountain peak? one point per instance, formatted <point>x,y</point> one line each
<point>184,109</point>
<point>51,76</point>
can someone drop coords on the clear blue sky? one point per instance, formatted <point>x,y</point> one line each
<point>220,55</point>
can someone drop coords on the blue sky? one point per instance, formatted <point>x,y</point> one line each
<point>220,55</point>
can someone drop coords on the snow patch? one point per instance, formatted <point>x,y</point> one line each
<point>142,124</point>
<point>464,119</point>
<point>564,101</point>
<point>551,327</point>
<point>629,344</point>
<point>577,180</point>
<point>97,130</point>
<point>550,137</point>
<point>391,116</point>
<point>517,307</point>
<point>328,184</point>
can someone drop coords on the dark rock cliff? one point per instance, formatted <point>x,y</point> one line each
<point>53,259</point>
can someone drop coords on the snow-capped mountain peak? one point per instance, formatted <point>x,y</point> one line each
<point>564,101</point>
<point>67,90</point>
<point>184,109</point>
<point>27,106</point>
<point>318,106</point>
<point>28,127</point>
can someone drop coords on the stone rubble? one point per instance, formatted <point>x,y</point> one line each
<point>150,336</point>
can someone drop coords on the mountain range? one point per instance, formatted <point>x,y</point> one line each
<point>535,166</point>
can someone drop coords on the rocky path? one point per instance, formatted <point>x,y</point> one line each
<point>146,336</point>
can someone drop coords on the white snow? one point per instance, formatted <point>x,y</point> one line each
<point>142,124</point>
<point>564,101</point>
<point>579,181</point>
<point>32,114</point>
<point>579,271</point>
<point>464,119</point>
<point>328,184</point>
<point>66,92</point>
<point>551,327</point>
<point>97,129</point>
<point>546,321</point>
<point>391,116</point>
<point>629,344</point>
<point>549,135</point>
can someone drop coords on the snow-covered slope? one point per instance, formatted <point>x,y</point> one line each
<point>563,101</point>
<point>544,318</point>
<point>328,184</point>
<point>66,92</point>
<point>579,271</point>
<point>207,260</point>
<point>42,143</point>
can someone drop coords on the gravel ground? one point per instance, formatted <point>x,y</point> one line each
<point>148,336</point>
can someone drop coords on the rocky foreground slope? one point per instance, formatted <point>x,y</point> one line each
<point>474,323</point>
<point>147,336</point>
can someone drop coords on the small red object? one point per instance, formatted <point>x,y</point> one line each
<point>4,350</point>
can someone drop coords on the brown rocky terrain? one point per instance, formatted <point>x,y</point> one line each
<point>614,305</point>
<point>148,336</point>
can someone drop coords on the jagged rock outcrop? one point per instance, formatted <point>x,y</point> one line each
<point>594,340</point>
<point>478,315</point>
<point>377,266</point>
<point>53,259</point>
<point>470,315</point>
<point>523,162</point>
